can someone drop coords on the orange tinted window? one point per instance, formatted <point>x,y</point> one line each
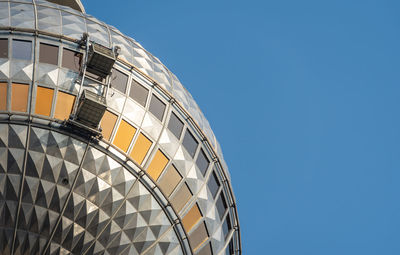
<point>107,124</point>
<point>44,99</point>
<point>191,218</point>
<point>140,148</point>
<point>64,105</point>
<point>3,96</point>
<point>157,165</point>
<point>124,135</point>
<point>19,97</point>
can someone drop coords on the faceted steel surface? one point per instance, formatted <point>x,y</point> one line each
<point>74,199</point>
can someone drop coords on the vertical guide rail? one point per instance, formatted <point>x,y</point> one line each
<point>83,73</point>
<point>107,87</point>
<point>116,50</point>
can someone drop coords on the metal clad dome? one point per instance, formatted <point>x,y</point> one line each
<point>154,183</point>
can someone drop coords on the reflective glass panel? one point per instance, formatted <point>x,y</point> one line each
<point>170,180</point>
<point>138,93</point>
<point>64,105</point>
<point>3,48</point>
<point>19,97</point>
<point>22,50</point>
<point>124,135</point>
<point>44,100</point>
<point>157,107</point>
<point>119,80</point>
<point>191,218</point>
<point>190,143</point>
<point>198,236</point>
<point>181,197</point>
<point>202,162</point>
<point>157,165</point>
<point>140,149</point>
<point>213,184</point>
<point>107,124</point>
<point>48,54</point>
<point>3,96</point>
<point>71,59</point>
<point>226,226</point>
<point>175,125</point>
<point>221,205</point>
<point>206,250</point>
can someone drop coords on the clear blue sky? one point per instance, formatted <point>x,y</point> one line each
<point>304,99</point>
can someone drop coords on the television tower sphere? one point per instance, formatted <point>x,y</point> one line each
<point>102,150</point>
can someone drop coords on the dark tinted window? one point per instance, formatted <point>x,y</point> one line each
<point>71,60</point>
<point>119,80</point>
<point>157,107</point>
<point>226,226</point>
<point>138,93</point>
<point>202,162</point>
<point>221,205</point>
<point>48,54</point>
<point>175,125</point>
<point>213,184</point>
<point>3,48</point>
<point>22,50</point>
<point>190,143</point>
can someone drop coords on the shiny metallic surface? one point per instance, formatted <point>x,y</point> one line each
<point>64,193</point>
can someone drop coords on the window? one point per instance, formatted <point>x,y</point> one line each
<point>19,97</point>
<point>157,107</point>
<point>206,250</point>
<point>139,93</point>
<point>191,218</point>
<point>221,205</point>
<point>198,236</point>
<point>71,60</point>
<point>124,135</point>
<point>181,197</point>
<point>64,105</point>
<point>140,149</point>
<point>226,226</point>
<point>170,180</point>
<point>202,162</point>
<point>3,96</point>
<point>44,100</point>
<point>3,48</point>
<point>175,125</point>
<point>48,54</point>
<point>157,165</point>
<point>119,80</point>
<point>107,124</point>
<point>190,143</point>
<point>22,50</point>
<point>213,184</point>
